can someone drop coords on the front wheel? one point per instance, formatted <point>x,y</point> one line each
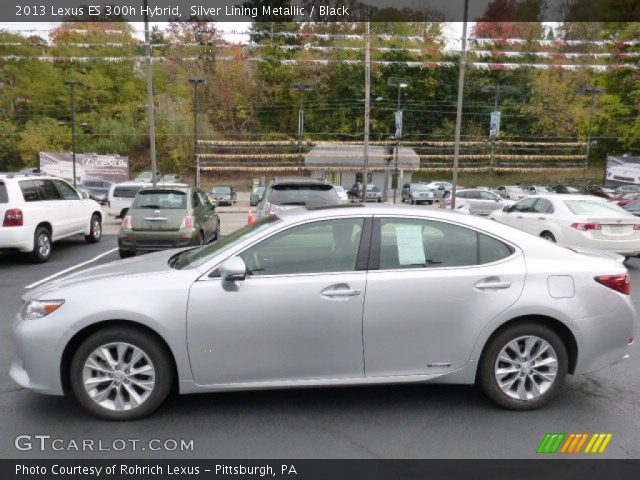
<point>121,373</point>
<point>523,367</point>
<point>95,231</point>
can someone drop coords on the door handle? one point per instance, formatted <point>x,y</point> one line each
<point>492,285</point>
<point>340,290</point>
<point>542,218</point>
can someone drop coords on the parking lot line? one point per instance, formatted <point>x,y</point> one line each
<point>66,270</point>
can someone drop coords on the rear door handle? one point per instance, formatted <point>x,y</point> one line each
<point>340,291</point>
<point>542,218</point>
<point>492,285</point>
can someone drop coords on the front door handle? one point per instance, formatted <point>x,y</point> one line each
<point>542,218</point>
<point>340,290</point>
<point>492,285</point>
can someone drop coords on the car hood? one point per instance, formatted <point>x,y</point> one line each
<point>149,264</point>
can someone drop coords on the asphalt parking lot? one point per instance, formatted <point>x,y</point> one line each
<point>414,421</point>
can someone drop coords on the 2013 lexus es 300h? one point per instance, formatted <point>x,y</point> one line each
<point>347,295</point>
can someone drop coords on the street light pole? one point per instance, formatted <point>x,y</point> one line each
<point>151,106</point>
<point>367,108</point>
<point>400,84</point>
<point>72,85</point>
<point>301,87</point>
<point>463,64</point>
<point>593,92</point>
<point>195,82</point>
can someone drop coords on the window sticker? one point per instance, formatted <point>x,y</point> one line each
<point>410,246</point>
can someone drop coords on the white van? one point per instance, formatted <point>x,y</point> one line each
<point>121,197</point>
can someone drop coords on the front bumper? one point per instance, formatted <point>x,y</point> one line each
<point>38,353</point>
<point>154,241</point>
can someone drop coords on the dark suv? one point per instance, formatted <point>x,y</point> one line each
<point>285,193</point>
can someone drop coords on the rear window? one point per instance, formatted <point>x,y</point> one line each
<point>164,200</point>
<point>303,194</point>
<point>90,183</point>
<point>126,192</point>
<point>221,190</point>
<point>590,207</point>
<point>4,196</point>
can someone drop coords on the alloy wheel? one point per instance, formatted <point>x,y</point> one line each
<point>96,228</point>
<point>44,245</point>
<point>526,367</point>
<point>119,376</point>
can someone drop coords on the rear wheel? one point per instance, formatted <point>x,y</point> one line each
<point>523,367</point>
<point>41,245</point>
<point>126,253</point>
<point>124,212</point>
<point>548,236</point>
<point>95,232</point>
<point>121,373</point>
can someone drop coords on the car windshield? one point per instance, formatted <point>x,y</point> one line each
<point>303,194</point>
<point>221,190</point>
<point>166,200</point>
<point>633,206</point>
<point>188,259</point>
<point>590,207</point>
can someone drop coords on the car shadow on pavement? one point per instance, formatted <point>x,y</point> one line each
<point>62,250</point>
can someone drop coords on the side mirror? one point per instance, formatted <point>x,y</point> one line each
<point>507,209</point>
<point>85,195</point>
<point>233,269</point>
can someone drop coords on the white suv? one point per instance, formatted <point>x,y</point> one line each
<point>37,210</point>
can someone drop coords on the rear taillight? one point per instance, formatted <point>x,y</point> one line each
<point>187,222</point>
<point>126,223</point>
<point>13,218</point>
<point>584,227</point>
<point>636,226</point>
<point>619,283</point>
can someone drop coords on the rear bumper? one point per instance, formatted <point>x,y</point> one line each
<point>18,238</point>
<point>621,247</point>
<point>133,241</point>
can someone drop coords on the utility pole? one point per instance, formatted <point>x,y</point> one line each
<point>395,82</point>
<point>367,108</point>
<point>593,92</point>
<point>301,87</point>
<point>195,82</point>
<point>463,63</point>
<point>151,106</point>
<point>72,86</point>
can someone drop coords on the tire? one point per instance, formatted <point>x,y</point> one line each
<point>95,230</point>
<point>548,236</point>
<point>557,359</point>
<point>124,212</point>
<point>126,253</point>
<point>429,202</point>
<point>153,354</point>
<point>201,238</point>
<point>216,234</point>
<point>41,245</point>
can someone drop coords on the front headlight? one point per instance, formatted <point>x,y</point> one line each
<point>41,308</point>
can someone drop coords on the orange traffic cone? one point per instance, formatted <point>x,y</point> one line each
<point>251,218</point>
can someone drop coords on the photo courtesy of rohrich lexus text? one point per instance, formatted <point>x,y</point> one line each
<point>320,239</point>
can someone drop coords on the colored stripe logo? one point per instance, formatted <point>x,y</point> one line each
<point>572,443</point>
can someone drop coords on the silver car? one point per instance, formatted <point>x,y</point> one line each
<point>311,297</point>
<point>479,202</point>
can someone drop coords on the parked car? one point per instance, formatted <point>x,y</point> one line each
<point>147,176</point>
<point>172,178</point>
<point>291,192</point>
<point>440,189</point>
<point>373,193</point>
<point>511,192</point>
<point>98,190</point>
<point>602,192</point>
<point>256,195</point>
<point>539,190</point>
<point>121,197</point>
<point>633,208</point>
<point>38,210</point>
<point>575,221</point>
<point>627,188</point>
<point>223,195</point>
<point>565,189</point>
<point>167,217</point>
<point>305,298</point>
<point>478,202</point>
<point>415,193</point>
<point>626,198</point>
<point>342,193</point>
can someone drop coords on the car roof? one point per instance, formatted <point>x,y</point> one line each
<point>286,180</point>
<point>167,186</point>
<point>568,197</point>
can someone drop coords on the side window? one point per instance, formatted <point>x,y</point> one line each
<point>462,195</point>
<point>491,250</point>
<point>318,247</point>
<point>29,191</point>
<point>474,195</point>
<point>203,198</point>
<point>66,191</point>
<point>48,190</point>
<point>4,196</point>
<point>543,206</point>
<point>195,200</point>
<point>488,196</point>
<point>524,206</point>
<point>415,243</point>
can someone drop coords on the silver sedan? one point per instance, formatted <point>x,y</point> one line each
<point>346,295</point>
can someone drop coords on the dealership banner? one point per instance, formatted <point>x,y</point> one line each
<point>623,170</point>
<point>119,469</point>
<point>89,166</point>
